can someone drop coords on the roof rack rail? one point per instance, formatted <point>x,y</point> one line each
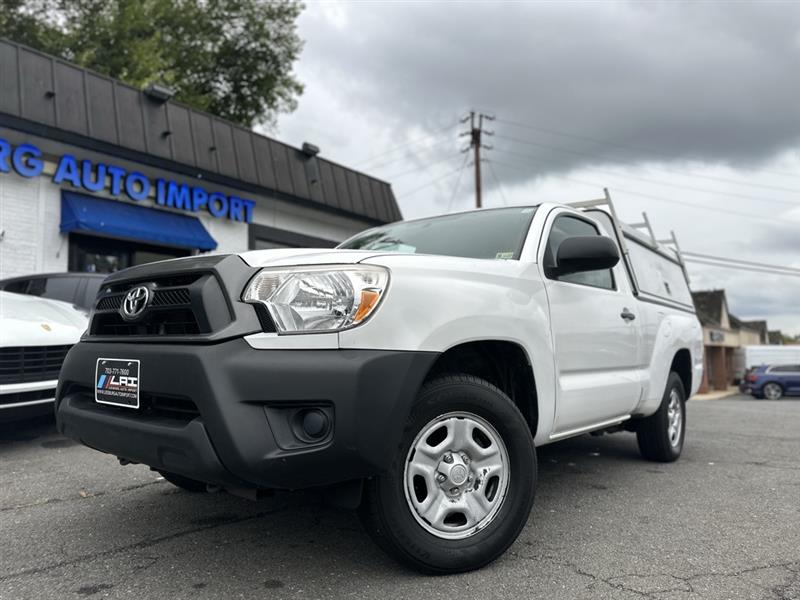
<point>608,204</point>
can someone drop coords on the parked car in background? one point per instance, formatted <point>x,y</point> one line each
<point>79,289</point>
<point>35,335</point>
<point>747,358</point>
<point>772,381</point>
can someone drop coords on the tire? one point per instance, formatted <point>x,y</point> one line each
<point>190,485</point>
<point>772,391</point>
<point>497,475</point>
<point>657,442</point>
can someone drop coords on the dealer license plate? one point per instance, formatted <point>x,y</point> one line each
<point>116,382</point>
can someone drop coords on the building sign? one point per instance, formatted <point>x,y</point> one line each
<point>716,336</point>
<point>26,160</point>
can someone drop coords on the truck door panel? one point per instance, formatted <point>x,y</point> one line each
<point>597,351</point>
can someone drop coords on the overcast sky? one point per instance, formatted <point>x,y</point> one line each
<point>688,111</point>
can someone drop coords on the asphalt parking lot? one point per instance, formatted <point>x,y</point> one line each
<point>723,522</point>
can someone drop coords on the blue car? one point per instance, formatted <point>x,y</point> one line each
<point>773,382</point>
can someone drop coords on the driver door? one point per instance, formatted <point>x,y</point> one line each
<point>595,334</point>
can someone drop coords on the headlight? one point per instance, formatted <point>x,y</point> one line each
<point>319,298</point>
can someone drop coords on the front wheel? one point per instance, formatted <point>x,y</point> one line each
<point>461,486</point>
<point>660,436</point>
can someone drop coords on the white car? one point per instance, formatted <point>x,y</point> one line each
<point>35,335</point>
<point>414,369</point>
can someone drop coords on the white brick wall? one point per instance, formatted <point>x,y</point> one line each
<point>29,218</point>
<point>300,219</point>
<point>231,236</point>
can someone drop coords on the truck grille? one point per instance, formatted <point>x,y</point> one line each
<point>191,299</point>
<point>171,311</point>
<point>21,364</point>
<point>174,297</point>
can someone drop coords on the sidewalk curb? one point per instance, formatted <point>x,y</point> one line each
<point>720,395</point>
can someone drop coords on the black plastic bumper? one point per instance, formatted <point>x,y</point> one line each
<point>241,433</point>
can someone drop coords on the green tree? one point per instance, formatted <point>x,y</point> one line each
<point>232,58</point>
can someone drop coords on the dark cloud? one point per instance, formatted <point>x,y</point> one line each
<point>713,82</point>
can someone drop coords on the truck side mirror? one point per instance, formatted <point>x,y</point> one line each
<point>583,253</point>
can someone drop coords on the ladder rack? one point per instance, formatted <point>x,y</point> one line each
<point>655,244</point>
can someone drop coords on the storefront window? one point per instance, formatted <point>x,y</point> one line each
<point>91,254</point>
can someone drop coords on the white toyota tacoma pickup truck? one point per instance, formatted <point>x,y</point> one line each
<point>413,370</point>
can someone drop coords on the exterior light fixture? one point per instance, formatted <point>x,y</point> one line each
<point>159,93</point>
<point>310,149</point>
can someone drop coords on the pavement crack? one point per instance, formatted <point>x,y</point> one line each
<point>78,497</point>
<point>140,545</point>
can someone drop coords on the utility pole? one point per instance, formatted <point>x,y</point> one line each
<point>475,134</point>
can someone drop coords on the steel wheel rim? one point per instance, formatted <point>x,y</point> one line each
<point>772,391</point>
<point>674,418</point>
<point>455,479</point>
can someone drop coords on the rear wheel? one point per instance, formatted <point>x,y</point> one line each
<point>772,391</point>
<point>190,485</point>
<point>660,436</point>
<point>461,486</point>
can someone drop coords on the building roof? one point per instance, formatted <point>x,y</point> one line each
<point>775,337</point>
<point>710,306</point>
<point>52,98</point>
<point>761,327</point>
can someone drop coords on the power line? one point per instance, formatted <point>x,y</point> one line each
<point>403,157</point>
<point>717,211</point>
<point>642,179</point>
<point>740,267</point>
<point>739,261</point>
<point>423,167</point>
<point>639,149</point>
<point>497,181</point>
<point>458,182</point>
<point>405,145</point>
<point>430,183</point>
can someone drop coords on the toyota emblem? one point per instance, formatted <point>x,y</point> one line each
<point>135,303</point>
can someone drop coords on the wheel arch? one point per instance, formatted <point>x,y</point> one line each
<point>503,363</point>
<point>682,366</point>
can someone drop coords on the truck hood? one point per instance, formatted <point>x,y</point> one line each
<point>33,321</point>
<point>290,257</point>
<point>286,257</point>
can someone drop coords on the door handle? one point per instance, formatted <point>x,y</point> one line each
<point>627,315</point>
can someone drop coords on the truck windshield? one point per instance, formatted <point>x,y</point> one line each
<point>494,234</point>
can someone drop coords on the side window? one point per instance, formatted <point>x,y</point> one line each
<point>61,288</point>
<point>786,369</point>
<point>566,226</point>
<point>37,286</point>
<point>92,287</point>
<point>18,287</point>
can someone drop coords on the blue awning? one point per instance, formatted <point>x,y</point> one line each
<point>123,220</point>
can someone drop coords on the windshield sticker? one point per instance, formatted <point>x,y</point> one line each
<point>504,255</point>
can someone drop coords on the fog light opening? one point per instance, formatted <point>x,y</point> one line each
<point>315,424</point>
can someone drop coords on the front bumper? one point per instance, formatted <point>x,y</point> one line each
<point>26,400</point>
<point>245,400</point>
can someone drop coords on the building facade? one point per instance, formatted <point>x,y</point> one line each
<point>723,335</point>
<point>97,176</point>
